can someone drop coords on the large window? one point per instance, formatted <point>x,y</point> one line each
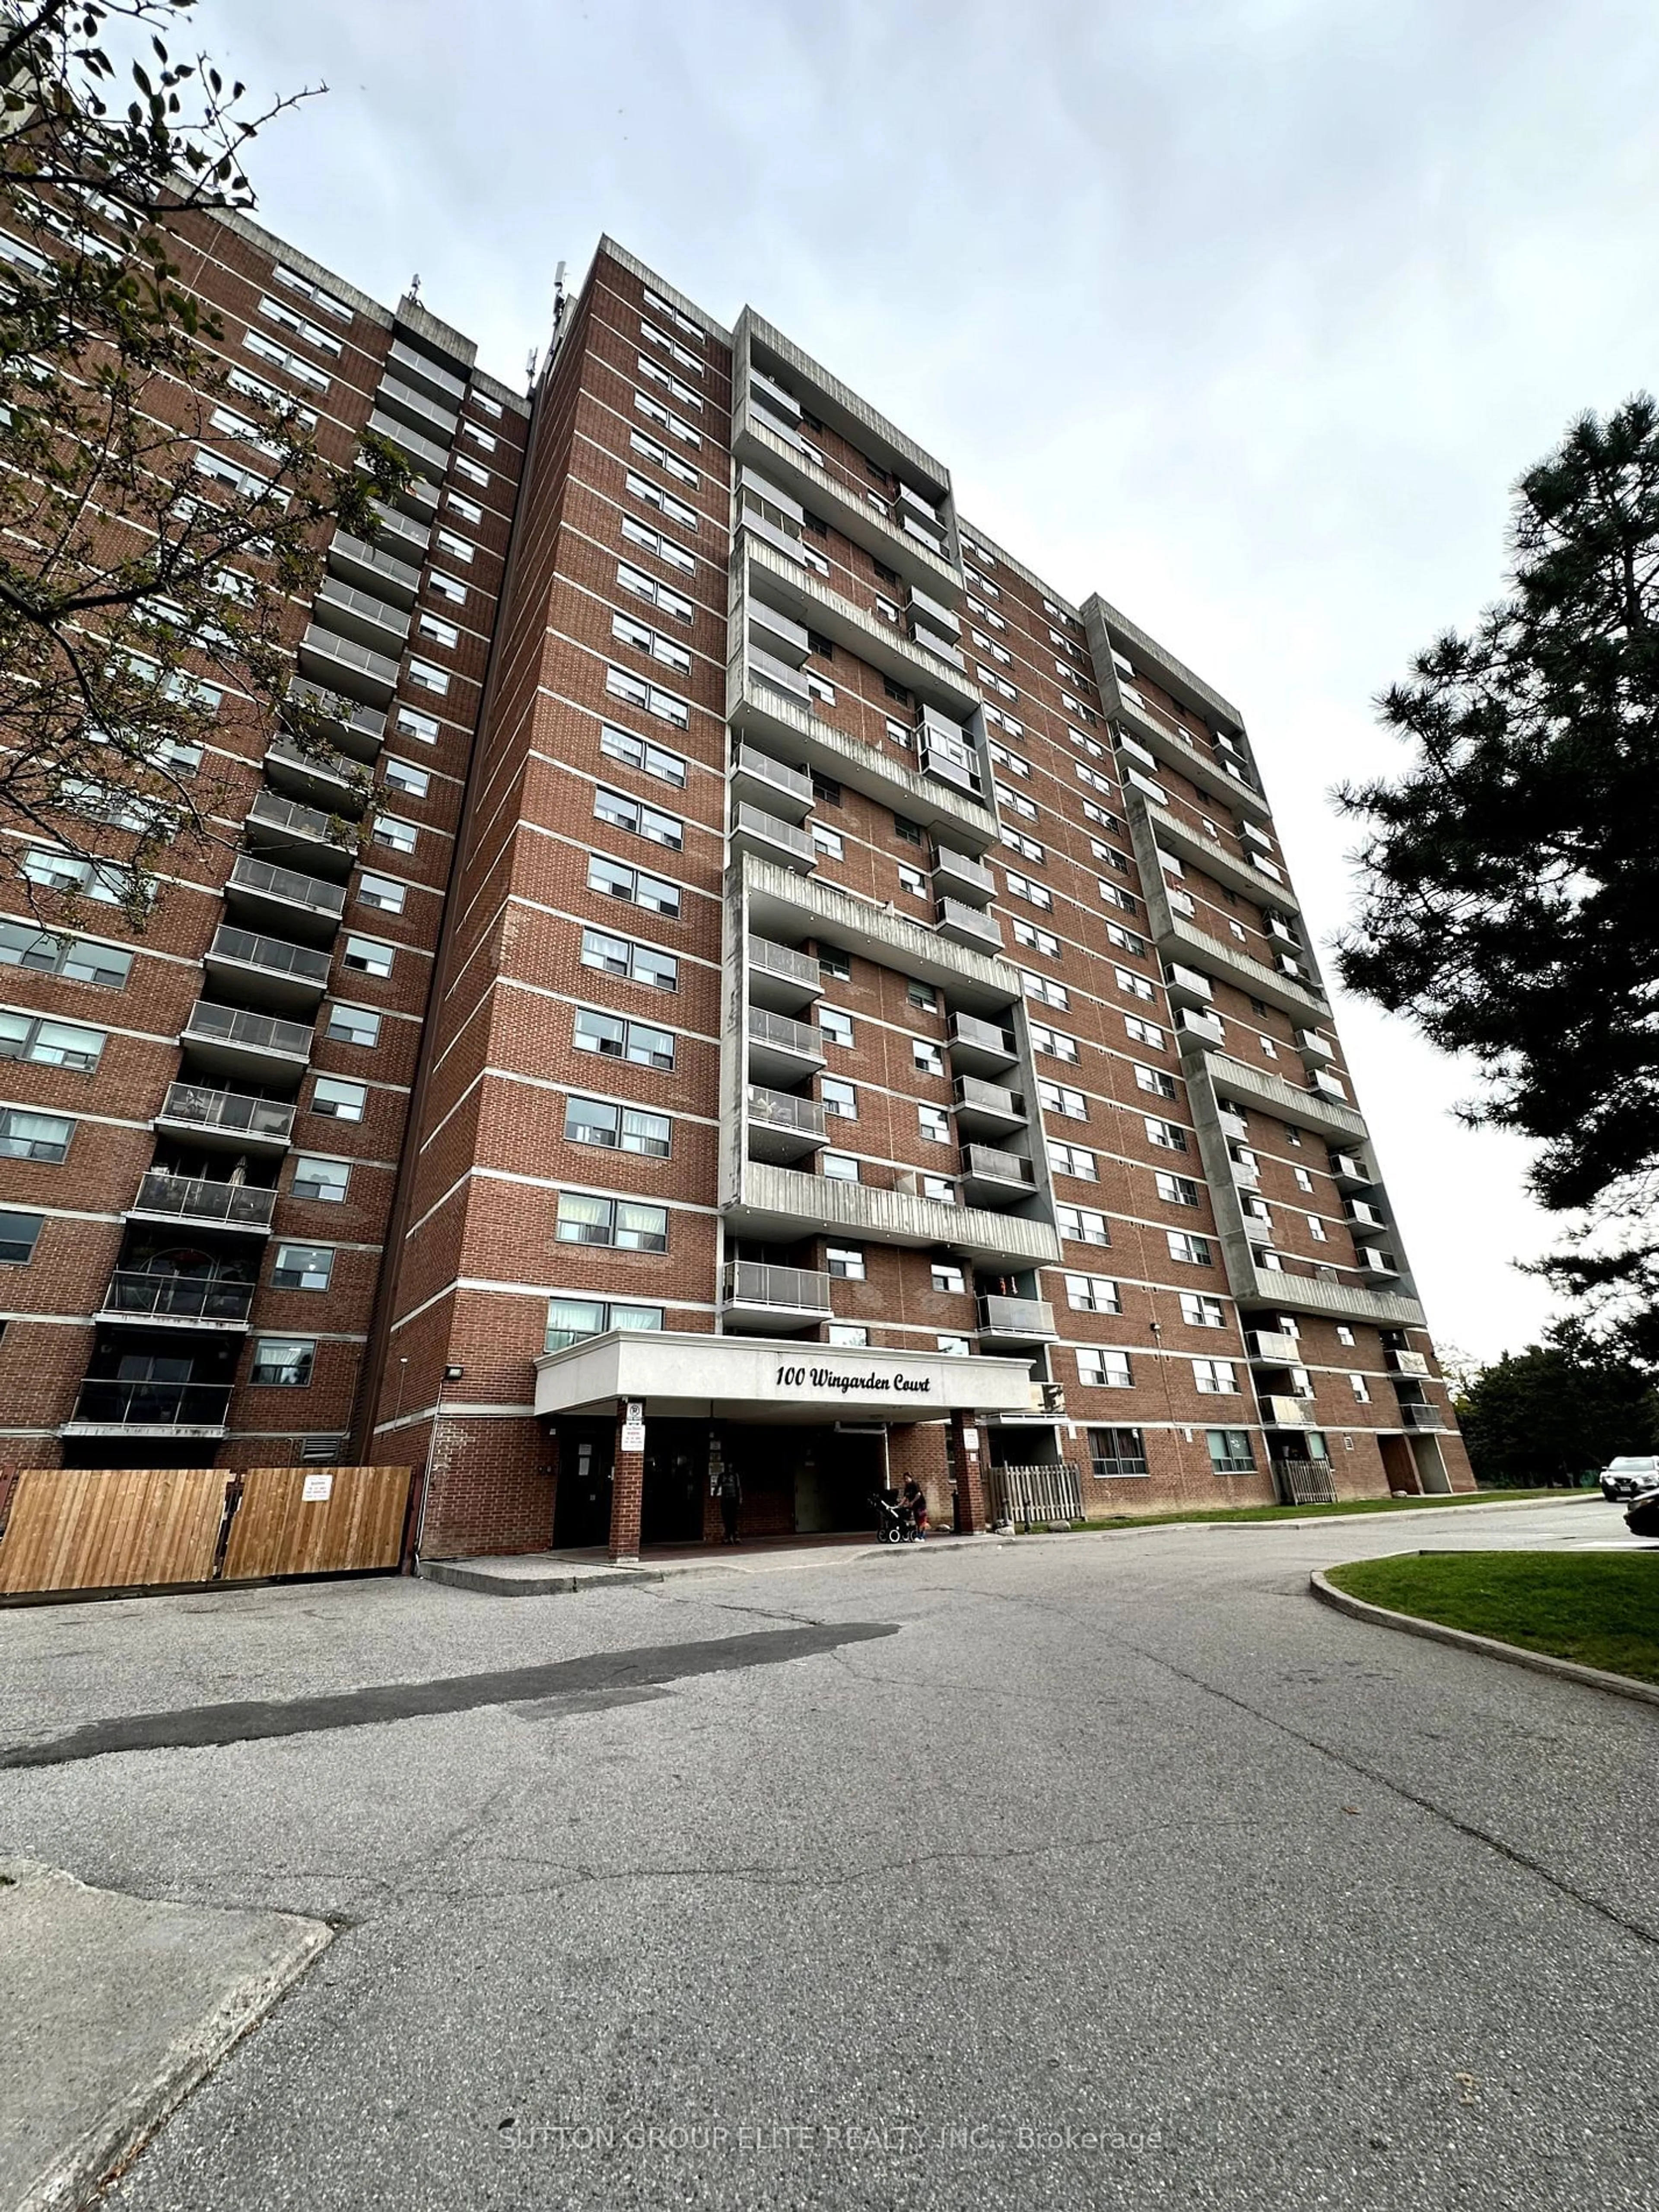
<point>1100,1369</point>
<point>622,812</point>
<point>571,1319</point>
<point>282,1362</point>
<point>302,1267</point>
<point>634,752</point>
<point>617,880</point>
<point>1229,1451</point>
<point>620,1128</point>
<point>77,959</point>
<point>1080,1225</point>
<point>18,1235</point>
<point>50,1044</point>
<point>1092,1294</point>
<point>320,1179</point>
<point>1116,1452</point>
<point>1215,1377</point>
<point>639,963</point>
<point>609,1035</point>
<point>25,1136</point>
<point>621,1223</point>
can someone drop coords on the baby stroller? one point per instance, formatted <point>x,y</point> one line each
<point>894,1522</point>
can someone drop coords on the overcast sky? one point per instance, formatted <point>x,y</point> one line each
<point>1243,312</point>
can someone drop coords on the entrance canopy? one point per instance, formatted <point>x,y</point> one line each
<point>747,1378</point>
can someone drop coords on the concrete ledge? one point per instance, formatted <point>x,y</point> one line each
<point>534,1575</point>
<point>1515,1654</point>
<point>112,2009</point>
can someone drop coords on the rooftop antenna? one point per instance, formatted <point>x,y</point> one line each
<point>531,359</point>
<point>415,286</point>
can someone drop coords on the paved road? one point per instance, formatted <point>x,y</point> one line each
<point>1103,1874</point>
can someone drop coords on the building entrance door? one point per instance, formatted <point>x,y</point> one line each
<point>581,1506</point>
<point>675,1479</point>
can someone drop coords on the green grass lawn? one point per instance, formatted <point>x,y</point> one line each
<point>1347,1505</point>
<point>1600,1609</point>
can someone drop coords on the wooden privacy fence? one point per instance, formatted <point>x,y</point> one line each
<point>102,1528</point>
<point>1030,1497</point>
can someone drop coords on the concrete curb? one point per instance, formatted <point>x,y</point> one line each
<point>117,2131</point>
<point>1463,1639</point>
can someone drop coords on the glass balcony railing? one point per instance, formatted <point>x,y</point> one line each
<point>200,1198</point>
<point>231,1110</point>
<point>138,1295</point>
<point>152,1405</point>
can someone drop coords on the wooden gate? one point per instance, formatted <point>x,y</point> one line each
<point>1032,1497</point>
<point>103,1529</point>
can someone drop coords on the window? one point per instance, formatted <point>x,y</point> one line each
<point>1199,1312</point>
<point>1135,986</point>
<point>1082,1226</point>
<point>1229,1451</point>
<point>25,1136</point>
<point>471,469</point>
<point>403,776</point>
<point>1154,1079</point>
<point>308,289</point>
<point>1058,1099</point>
<point>1116,1452</point>
<point>18,1235</point>
<point>367,956</point>
<point>1045,993</point>
<point>839,1167</point>
<point>939,1189</point>
<point>435,628</point>
<point>352,1026</point>
<point>428,676</point>
<point>1176,1190</point>
<point>568,1319</point>
<point>282,1362</point>
<point>484,439</point>
<point>398,836</point>
<point>617,880</point>
<point>840,1099</point>
<point>633,815</point>
<point>447,587</point>
<point>947,1278</point>
<point>609,1035</point>
<point>468,509</point>
<point>1317,1230</point>
<point>1126,940</point>
<point>953,1348</point>
<point>1193,1250</point>
<point>836,1026</point>
<point>280,357</point>
<point>1215,1377</point>
<point>833,962</point>
<point>1055,1044</point>
<point>643,638</point>
<point>639,752</point>
<point>50,1044</point>
<point>676,425</point>
<point>302,1267</point>
<point>55,870</point>
<point>845,1261</point>
<point>1072,1160</point>
<point>913,881</point>
<point>827,843</point>
<point>622,684</point>
<point>1344,1334</point>
<point>276,311</point>
<point>670,463</point>
<point>1092,1294</point>
<point>934,1125</point>
<point>1170,1136</point>
<point>664,502</point>
<point>325,1180</point>
<point>1142,1032</point>
<point>338,1100</point>
<point>622,1223</point>
<point>849,1333</point>
<point>1037,895</point>
<point>639,963</point>
<point>1303,1180</point>
<point>78,959</point>
<point>622,1128</point>
<point>1099,1369</point>
<point>1358,1385</point>
<point>381,893</point>
<point>926,1057</point>
<point>457,548</point>
<point>910,832</point>
<point>414,724</point>
<point>921,996</point>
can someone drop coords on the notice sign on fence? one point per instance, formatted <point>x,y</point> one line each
<point>316,1490</point>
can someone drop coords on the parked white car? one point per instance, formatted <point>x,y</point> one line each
<point>1630,1477</point>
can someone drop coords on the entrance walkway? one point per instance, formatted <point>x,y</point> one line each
<point>538,1574</point>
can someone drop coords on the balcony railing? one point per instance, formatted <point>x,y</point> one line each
<point>968,925</point>
<point>357,666</point>
<point>199,1198</point>
<point>985,1162</point>
<point>780,1034</point>
<point>264,879</point>
<point>751,766</point>
<point>972,1039</point>
<point>757,1283</point>
<point>987,1102</point>
<point>1408,1363</point>
<point>1423,1417</point>
<point>139,1296</point>
<point>960,873</point>
<point>401,530</point>
<point>152,1405</point>
<point>323,775</point>
<point>362,615</point>
<point>231,1110</point>
<point>300,965</point>
<point>771,837</point>
<point>375,566</point>
<point>426,450</point>
<point>289,821</point>
<point>781,1110</point>
<point>353,718</point>
<point>785,963</point>
<point>1027,1319</point>
<point>427,415</point>
<point>419,370</point>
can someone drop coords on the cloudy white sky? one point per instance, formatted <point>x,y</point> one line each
<point>1244,313</point>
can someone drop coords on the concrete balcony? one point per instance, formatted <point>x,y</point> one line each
<point>289,831</point>
<point>769,1301</point>
<point>930,614</point>
<point>782,1127</point>
<point>267,972</point>
<point>430,416</point>
<point>1197,1030</point>
<point>307,906</point>
<point>1409,1363</point>
<point>759,780</point>
<point>1182,941</point>
<point>1422,1416</point>
<point>1285,1413</point>
<point>415,369</point>
<point>992,1177</point>
<point>228,1121</point>
<point>1315,1047</point>
<point>783,905</point>
<point>356,728</point>
<point>427,453</point>
<point>985,1108</point>
<point>780,978</point>
<point>968,925</point>
<point>807,598</point>
<point>203,1201</point>
<point>1233,1125</point>
<point>1234,872</point>
<point>1364,1219</point>
<point>1245,1174</point>
<point>1351,1173</point>
<point>1200,765</point>
<point>365,617</point>
<point>775,634</point>
<point>1015,1321</point>
<point>157,1409</point>
<point>372,568</point>
<point>764,837</point>
<point>1258,1227</point>
<point>782,1202</point>
<point>1269,1347</point>
<point>327,781</point>
<point>780,722</point>
<point>344,666</point>
<point>1187,988</point>
<point>958,876</point>
<point>1375,1261</point>
<point>1253,1087</point>
<point>782,1051</point>
<point>1281,1291</point>
<point>401,534</point>
<point>176,1300</point>
<point>980,1047</point>
<point>260,1049</point>
<point>1328,1086</point>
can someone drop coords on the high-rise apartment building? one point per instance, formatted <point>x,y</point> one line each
<point>809,1001</point>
